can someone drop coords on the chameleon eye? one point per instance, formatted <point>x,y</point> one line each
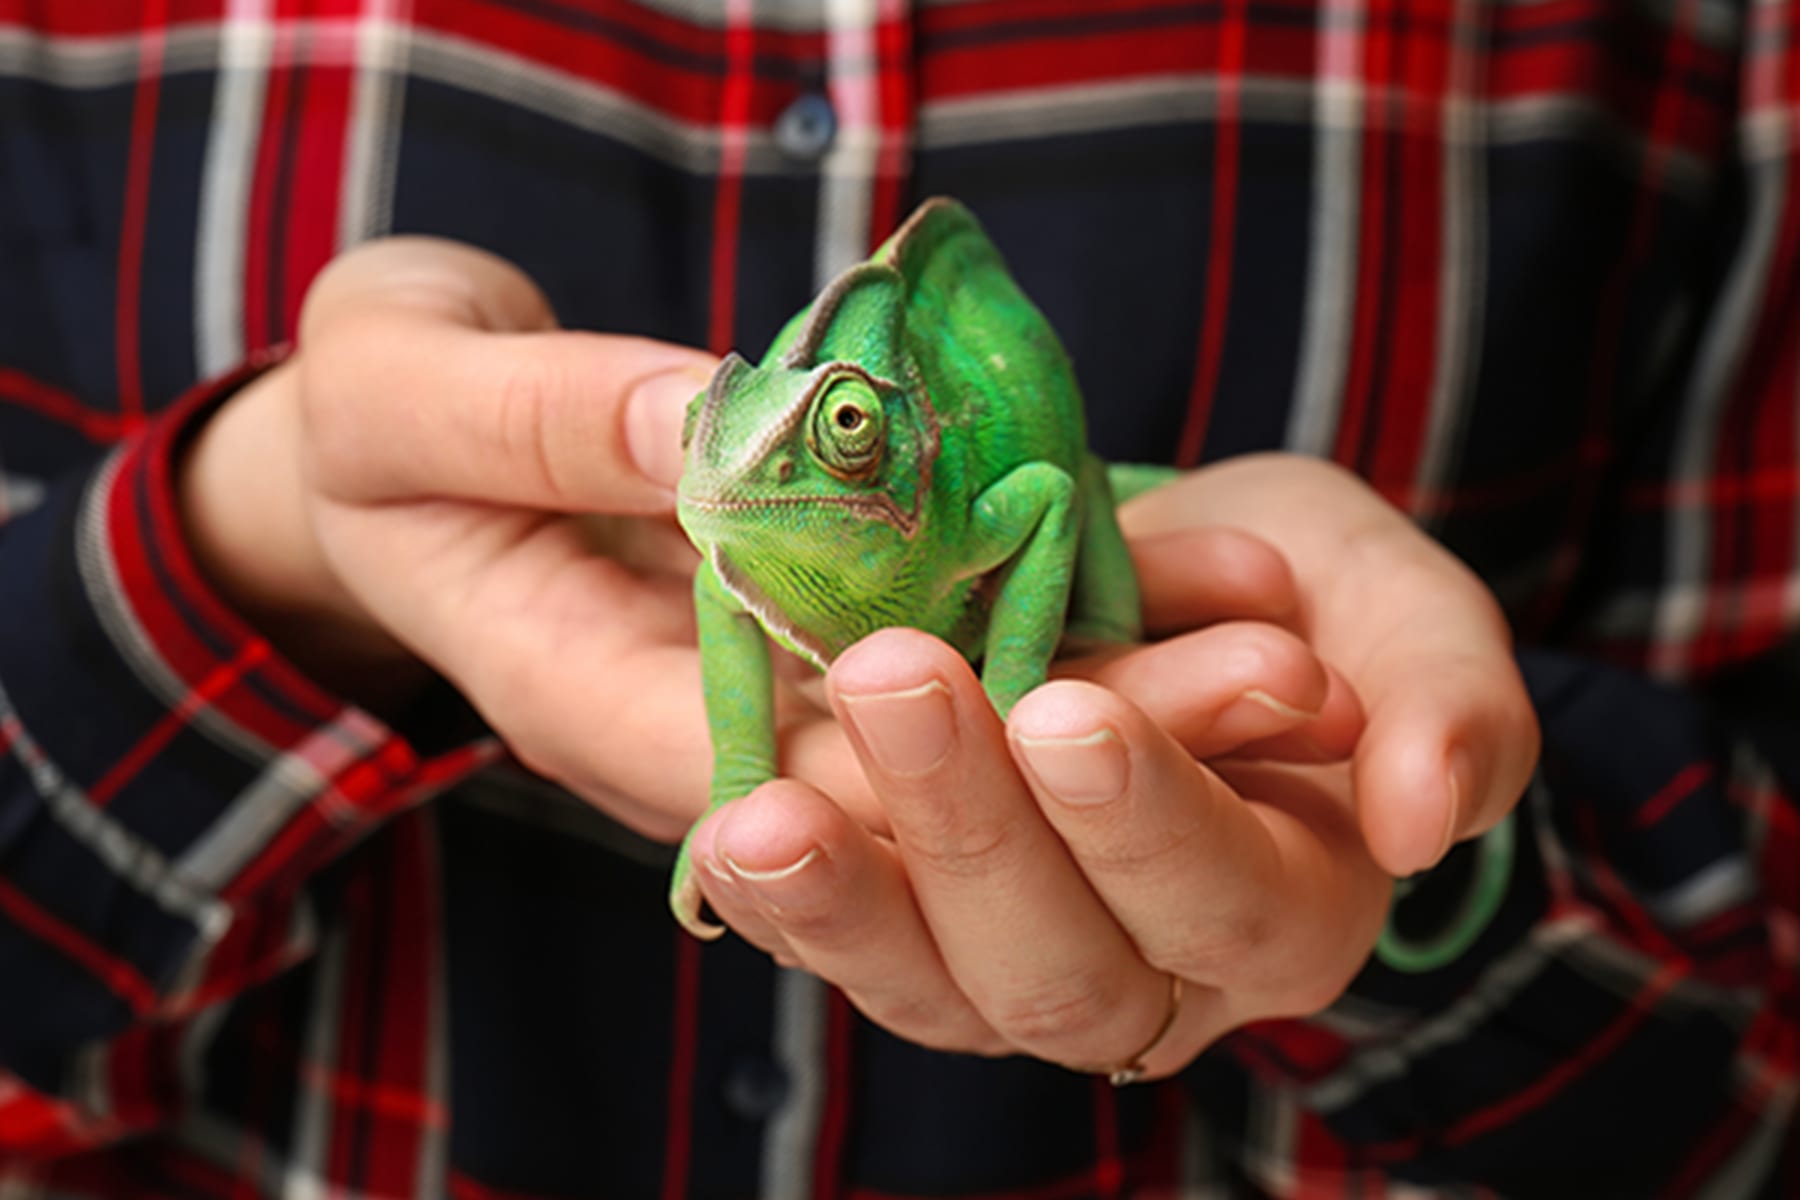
<point>847,428</point>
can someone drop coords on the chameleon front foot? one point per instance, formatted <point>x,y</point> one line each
<point>686,900</point>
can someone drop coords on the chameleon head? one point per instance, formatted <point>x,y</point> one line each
<point>806,476</point>
<point>803,464</point>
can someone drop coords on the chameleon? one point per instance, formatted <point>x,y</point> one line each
<point>911,450</point>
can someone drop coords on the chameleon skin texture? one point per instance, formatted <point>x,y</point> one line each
<point>910,451</point>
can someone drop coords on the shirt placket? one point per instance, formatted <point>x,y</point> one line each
<point>863,173</point>
<point>846,125</point>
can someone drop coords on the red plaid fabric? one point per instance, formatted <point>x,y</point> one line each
<point>1531,268</point>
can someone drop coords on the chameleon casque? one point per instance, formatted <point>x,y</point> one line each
<point>910,451</point>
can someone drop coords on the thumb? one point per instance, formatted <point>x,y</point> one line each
<point>1443,758</point>
<point>430,369</point>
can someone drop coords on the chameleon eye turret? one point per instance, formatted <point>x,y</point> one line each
<point>847,427</point>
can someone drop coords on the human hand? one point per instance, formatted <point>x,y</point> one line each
<point>415,466</point>
<point>1451,737</point>
<point>1048,879</point>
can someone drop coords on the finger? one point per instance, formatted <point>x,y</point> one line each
<point>1446,755</point>
<point>1236,687</point>
<point>814,748</point>
<point>1020,932</point>
<point>786,868</point>
<point>1193,577</point>
<point>585,667</point>
<point>1331,736</point>
<point>731,901</point>
<point>436,370</point>
<point>1451,735</point>
<point>1276,908</point>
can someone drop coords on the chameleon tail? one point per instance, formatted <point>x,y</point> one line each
<point>1134,479</point>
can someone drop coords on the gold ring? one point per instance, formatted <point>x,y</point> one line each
<point>1133,1068</point>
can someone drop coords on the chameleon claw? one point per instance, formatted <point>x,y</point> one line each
<point>685,901</point>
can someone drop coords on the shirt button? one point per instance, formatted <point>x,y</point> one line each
<point>805,128</point>
<point>755,1088</point>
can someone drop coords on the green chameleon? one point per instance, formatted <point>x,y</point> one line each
<point>910,451</point>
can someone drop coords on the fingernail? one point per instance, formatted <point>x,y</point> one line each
<point>781,890</point>
<point>908,732</point>
<point>770,874</point>
<point>653,417</point>
<point>1081,771</point>
<point>1280,708</point>
<point>1459,776</point>
<point>1257,714</point>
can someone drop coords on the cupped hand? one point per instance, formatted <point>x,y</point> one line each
<point>1050,879</point>
<point>1451,737</point>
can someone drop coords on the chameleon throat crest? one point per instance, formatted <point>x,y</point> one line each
<point>771,617</point>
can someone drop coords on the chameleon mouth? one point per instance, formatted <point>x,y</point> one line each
<point>870,508</point>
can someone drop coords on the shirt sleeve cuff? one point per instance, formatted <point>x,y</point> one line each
<point>165,769</point>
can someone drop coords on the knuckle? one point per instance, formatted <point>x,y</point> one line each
<point>1134,852</point>
<point>957,847</point>
<point>1218,953</point>
<point>529,386</point>
<point>1066,1018</point>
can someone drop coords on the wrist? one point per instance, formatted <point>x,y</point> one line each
<point>242,499</point>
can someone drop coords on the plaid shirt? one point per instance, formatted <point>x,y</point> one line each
<point>1533,269</point>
